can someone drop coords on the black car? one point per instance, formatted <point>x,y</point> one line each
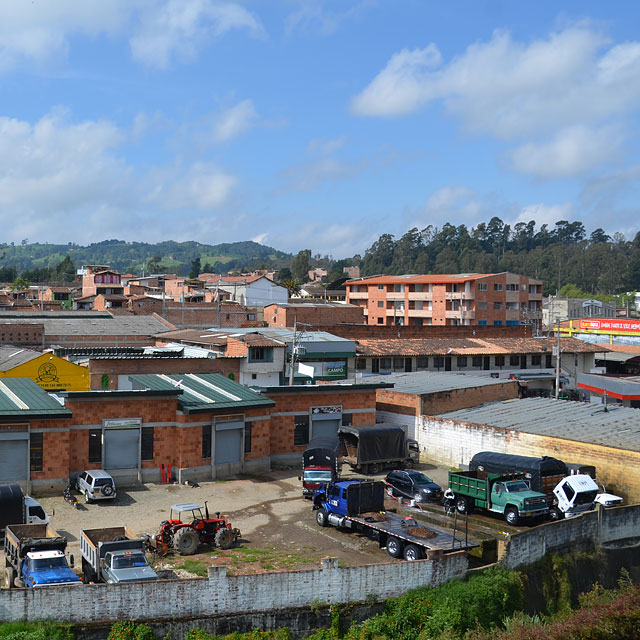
<point>413,485</point>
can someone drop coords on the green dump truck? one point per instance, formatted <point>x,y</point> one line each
<point>507,494</point>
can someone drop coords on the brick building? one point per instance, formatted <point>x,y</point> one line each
<point>459,299</point>
<point>316,314</point>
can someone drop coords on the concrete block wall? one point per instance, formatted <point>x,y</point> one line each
<point>453,443</point>
<point>222,594</point>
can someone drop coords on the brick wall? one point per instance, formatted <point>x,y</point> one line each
<point>115,367</point>
<point>24,335</point>
<point>354,332</point>
<point>220,594</point>
<point>315,314</point>
<point>453,443</point>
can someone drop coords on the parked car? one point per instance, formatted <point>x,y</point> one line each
<point>96,485</point>
<point>413,485</point>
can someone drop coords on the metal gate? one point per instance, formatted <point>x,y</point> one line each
<point>325,428</point>
<point>14,457</point>
<point>122,448</point>
<point>228,442</point>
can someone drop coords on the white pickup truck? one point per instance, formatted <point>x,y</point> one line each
<point>576,494</point>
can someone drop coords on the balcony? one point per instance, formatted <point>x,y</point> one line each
<point>534,296</point>
<point>459,295</point>
<point>358,295</point>
<point>420,295</point>
<point>395,295</point>
<point>512,296</point>
<point>398,312</point>
<point>460,315</point>
<point>420,313</point>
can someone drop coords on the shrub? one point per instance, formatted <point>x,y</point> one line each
<point>35,631</point>
<point>128,630</point>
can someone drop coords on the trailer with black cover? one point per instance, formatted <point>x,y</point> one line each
<point>321,462</point>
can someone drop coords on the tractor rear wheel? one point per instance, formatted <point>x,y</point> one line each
<point>186,541</point>
<point>224,539</point>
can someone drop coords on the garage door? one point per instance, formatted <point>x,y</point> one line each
<point>325,428</point>
<point>121,448</point>
<point>14,459</point>
<point>228,442</point>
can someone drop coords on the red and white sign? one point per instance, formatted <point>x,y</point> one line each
<point>611,324</point>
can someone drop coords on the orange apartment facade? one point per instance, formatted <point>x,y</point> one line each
<point>499,299</point>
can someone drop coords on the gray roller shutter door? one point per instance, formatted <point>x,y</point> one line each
<point>14,460</point>
<point>228,442</point>
<point>325,428</point>
<point>121,448</point>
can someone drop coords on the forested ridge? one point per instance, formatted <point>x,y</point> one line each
<point>562,255</point>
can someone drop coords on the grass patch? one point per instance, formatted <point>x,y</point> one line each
<point>269,558</point>
<point>197,567</point>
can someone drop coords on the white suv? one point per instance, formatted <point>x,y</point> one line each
<point>96,485</point>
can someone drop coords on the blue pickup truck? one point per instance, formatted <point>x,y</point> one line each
<point>35,557</point>
<point>359,505</point>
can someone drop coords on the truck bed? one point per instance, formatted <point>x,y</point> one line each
<point>394,525</point>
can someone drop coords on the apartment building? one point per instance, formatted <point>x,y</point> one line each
<point>497,299</point>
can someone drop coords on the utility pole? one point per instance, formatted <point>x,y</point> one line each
<point>293,352</point>
<point>558,356</point>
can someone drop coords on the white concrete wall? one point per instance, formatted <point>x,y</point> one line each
<point>260,293</point>
<point>222,594</point>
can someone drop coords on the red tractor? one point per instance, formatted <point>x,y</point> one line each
<point>186,528</point>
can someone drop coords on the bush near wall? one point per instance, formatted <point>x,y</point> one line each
<point>35,631</point>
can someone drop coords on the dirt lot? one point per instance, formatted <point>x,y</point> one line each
<point>278,526</point>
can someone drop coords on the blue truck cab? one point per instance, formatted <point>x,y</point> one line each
<point>42,568</point>
<point>336,498</point>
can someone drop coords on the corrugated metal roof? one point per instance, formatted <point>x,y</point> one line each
<point>203,392</point>
<point>617,427</point>
<point>11,357</point>
<point>415,278</point>
<point>422,382</point>
<point>23,397</point>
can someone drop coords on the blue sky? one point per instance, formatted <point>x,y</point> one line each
<point>314,124</point>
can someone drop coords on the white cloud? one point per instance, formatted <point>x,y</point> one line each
<point>547,214</point>
<point>511,89</point>
<point>63,181</point>
<point>313,15</point>
<point>178,29</point>
<point>234,121</point>
<point>572,151</point>
<point>260,238</point>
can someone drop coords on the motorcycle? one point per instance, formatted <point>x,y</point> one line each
<point>70,498</point>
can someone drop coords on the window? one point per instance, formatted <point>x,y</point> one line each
<point>301,429</point>
<point>438,362</point>
<point>380,320</point>
<point>381,303</point>
<point>385,363</point>
<point>95,445</point>
<point>248,432</point>
<point>476,361</point>
<point>497,286</point>
<point>497,323</point>
<point>347,419</point>
<point>482,323</point>
<point>380,286</point>
<point>499,360</point>
<point>35,451</point>
<point>260,354</point>
<point>146,443</point>
<point>251,316</point>
<point>462,362</point>
<point>497,305</point>
<point>533,288</point>
<point>206,441</point>
<point>361,364</point>
<point>513,287</point>
<point>536,360</point>
<point>398,364</point>
<point>483,286</point>
<point>514,361</point>
<point>422,362</point>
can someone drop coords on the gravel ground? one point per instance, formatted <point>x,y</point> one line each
<point>269,511</point>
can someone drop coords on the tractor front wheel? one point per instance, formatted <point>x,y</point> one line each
<point>186,541</point>
<point>224,538</point>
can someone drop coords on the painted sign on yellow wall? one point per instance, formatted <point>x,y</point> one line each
<point>52,373</point>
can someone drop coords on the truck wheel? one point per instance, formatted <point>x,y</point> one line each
<point>394,547</point>
<point>554,514</point>
<point>224,539</point>
<point>462,505</point>
<point>408,464</point>
<point>412,552</point>
<point>321,517</point>
<point>186,541</point>
<point>375,468</point>
<point>8,578</point>
<point>511,516</point>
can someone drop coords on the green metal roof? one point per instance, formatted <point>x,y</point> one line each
<point>203,392</point>
<point>23,397</point>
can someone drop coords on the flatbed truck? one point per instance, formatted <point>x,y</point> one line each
<point>359,505</point>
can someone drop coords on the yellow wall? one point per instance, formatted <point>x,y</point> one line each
<point>52,373</point>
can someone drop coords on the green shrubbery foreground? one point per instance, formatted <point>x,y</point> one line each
<point>487,606</point>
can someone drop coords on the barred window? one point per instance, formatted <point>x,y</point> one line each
<point>35,451</point>
<point>95,445</point>
<point>206,441</point>
<point>462,362</point>
<point>146,443</point>
<point>499,361</point>
<point>536,360</point>
<point>514,361</point>
<point>422,362</point>
<point>301,429</point>
<point>248,433</point>
<point>476,361</point>
<point>438,362</point>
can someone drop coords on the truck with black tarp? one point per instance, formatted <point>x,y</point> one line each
<point>358,505</point>
<point>369,448</point>
<point>16,508</point>
<point>542,474</point>
<point>321,462</point>
<point>114,555</point>
<point>35,557</point>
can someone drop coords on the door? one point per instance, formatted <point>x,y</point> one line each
<point>325,428</point>
<point>228,442</point>
<point>14,457</point>
<point>375,365</point>
<point>523,361</point>
<point>486,363</point>
<point>447,363</point>
<point>121,448</point>
<point>407,365</point>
